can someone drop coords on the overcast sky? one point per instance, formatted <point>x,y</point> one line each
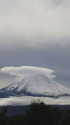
<point>35,33</point>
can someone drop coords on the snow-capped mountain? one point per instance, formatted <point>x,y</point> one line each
<point>33,81</point>
<point>37,82</point>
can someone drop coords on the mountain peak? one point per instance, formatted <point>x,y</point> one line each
<point>39,85</point>
<point>33,81</point>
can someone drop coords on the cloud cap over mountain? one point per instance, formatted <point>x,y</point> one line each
<point>27,70</point>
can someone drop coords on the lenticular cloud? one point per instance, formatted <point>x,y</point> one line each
<point>27,70</point>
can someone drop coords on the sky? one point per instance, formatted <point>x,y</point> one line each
<point>36,33</point>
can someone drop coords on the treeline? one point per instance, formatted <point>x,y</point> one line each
<point>38,114</point>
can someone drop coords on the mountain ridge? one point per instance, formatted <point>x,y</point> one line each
<point>36,85</point>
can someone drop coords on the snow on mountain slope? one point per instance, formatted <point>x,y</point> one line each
<point>34,81</point>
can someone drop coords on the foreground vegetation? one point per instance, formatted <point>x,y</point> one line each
<point>38,114</point>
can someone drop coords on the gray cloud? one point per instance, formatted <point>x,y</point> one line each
<point>30,23</point>
<point>48,57</point>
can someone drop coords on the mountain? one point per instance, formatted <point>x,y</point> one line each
<point>36,85</point>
